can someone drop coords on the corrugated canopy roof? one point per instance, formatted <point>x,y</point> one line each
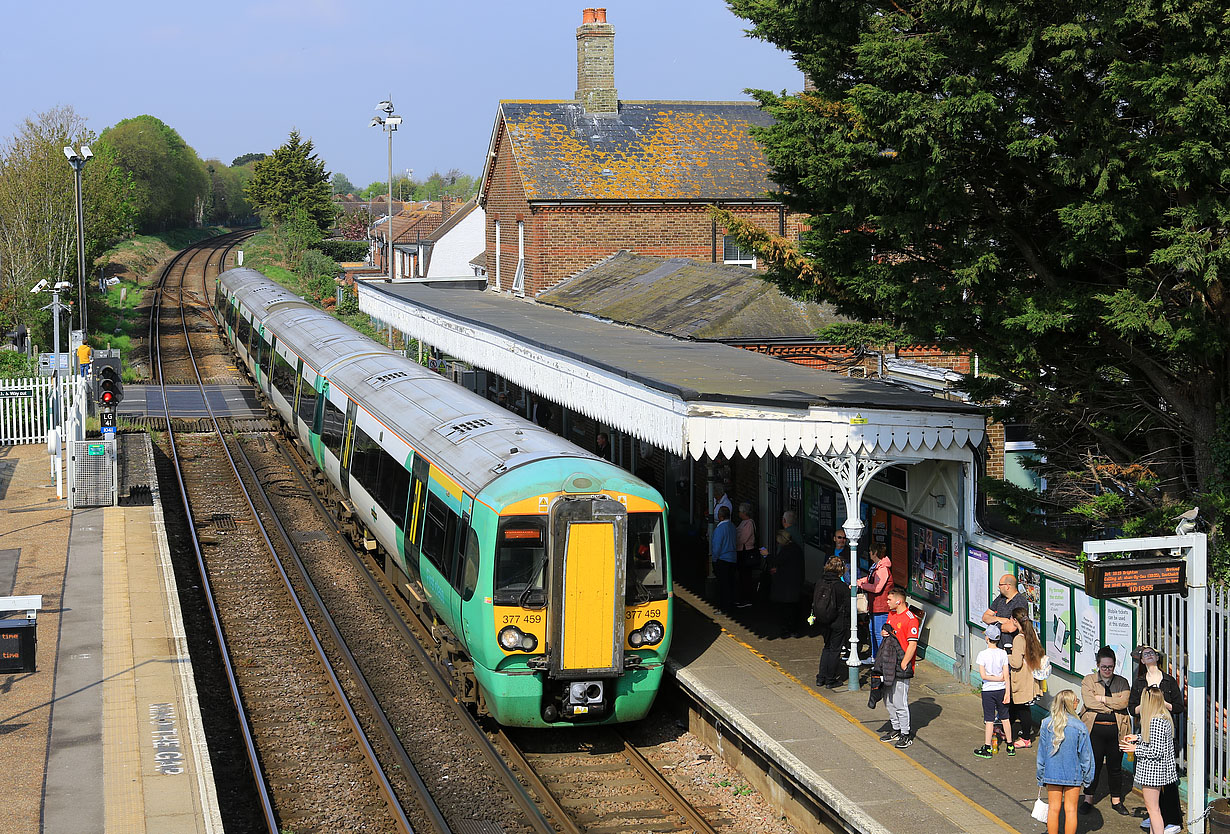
<point>689,299</point>
<point>649,150</point>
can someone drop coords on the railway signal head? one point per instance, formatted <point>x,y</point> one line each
<point>108,384</point>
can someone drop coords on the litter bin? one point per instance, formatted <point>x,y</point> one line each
<point>1219,817</point>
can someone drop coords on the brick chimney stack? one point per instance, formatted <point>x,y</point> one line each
<point>596,63</point>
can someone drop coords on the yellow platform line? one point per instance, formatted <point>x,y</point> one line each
<point>122,783</point>
<point>864,728</point>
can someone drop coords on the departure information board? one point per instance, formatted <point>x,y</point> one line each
<point>1135,577</point>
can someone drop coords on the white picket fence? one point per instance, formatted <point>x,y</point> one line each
<point>26,407</point>
<point>1165,628</point>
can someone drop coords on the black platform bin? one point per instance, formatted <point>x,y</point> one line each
<point>1219,818</point>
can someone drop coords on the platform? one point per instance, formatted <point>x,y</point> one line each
<point>828,740</point>
<point>106,735</point>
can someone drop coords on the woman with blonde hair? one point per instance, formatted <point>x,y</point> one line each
<point>1154,749</point>
<point>1065,761</point>
<point>1024,656</point>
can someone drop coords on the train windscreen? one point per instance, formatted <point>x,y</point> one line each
<point>646,558</point>
<point>521,562</point>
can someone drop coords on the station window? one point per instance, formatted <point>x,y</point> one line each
<point>735,255</point>
<point>646,558</point>
<point>521,562</point>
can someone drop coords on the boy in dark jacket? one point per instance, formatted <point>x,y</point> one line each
<point>831,611</point>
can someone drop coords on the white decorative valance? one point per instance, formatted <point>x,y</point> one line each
<point>686,428</point>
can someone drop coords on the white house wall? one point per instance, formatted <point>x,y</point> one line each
<point>452,253</point>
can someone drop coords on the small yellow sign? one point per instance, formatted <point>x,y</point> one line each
<point>858,420</point>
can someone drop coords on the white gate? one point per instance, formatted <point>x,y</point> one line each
<point>26,407</point>
<point>1165,628</point>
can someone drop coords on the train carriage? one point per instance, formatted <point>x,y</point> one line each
<point>545,568</point>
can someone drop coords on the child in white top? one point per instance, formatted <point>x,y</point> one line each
<point>992,665</point>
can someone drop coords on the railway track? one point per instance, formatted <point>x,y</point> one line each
<point>314,766</point>
<point>269,542</point>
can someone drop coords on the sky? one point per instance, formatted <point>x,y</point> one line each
<point>237,77</point>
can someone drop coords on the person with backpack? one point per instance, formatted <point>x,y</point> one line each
<point>830,608</point>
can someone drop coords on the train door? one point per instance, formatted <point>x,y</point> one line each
<point>419,471</point>
<point>457,566</point>
<point>587,581</point>
<point>352,410</point>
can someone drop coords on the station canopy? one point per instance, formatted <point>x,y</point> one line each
<point>691,398</point>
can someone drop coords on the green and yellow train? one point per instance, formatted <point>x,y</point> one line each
<point>543,569</point>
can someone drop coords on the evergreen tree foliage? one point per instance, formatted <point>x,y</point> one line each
<point>1046,184</point>
<point>290,180</point>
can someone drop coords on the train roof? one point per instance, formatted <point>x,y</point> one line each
<point>473,439</point>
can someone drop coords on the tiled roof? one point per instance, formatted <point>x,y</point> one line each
<point>688,299</point>
<point>650,150</point>
<point>414,223</point>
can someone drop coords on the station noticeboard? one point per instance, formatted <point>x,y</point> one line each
<point>18,639</point>
<point>1135,577</point>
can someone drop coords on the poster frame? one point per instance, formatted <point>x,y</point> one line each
<point>927,597</point>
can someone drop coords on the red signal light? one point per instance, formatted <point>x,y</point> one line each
<point>107,397</point>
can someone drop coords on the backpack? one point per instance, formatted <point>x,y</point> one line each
<point>824,603</point>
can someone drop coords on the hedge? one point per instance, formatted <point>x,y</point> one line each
<point>344,250</point>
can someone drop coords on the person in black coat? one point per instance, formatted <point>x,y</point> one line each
<point>1149,672</point>
<point>836,630</point>
<point>785,569</point>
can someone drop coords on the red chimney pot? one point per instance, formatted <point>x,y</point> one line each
<point>600,14</point>
<point>588,16</point>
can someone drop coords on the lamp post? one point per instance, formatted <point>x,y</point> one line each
<point>388,122</point>
<point>78,160</point>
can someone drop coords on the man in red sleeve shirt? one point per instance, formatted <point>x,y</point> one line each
<point>905,628</point>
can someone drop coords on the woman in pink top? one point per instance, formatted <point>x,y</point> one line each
<point>749,558</point>
<point>877,583</point>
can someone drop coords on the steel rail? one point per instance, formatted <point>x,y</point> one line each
<point>665,789</point>
<point>399,612</point>
<point>428,804</point>
<point>400,820</point>
<point>155,349</point>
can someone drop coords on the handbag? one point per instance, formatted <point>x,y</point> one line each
<point>860,602</point>
<point>1044,669</point>
<point>1041,808</point>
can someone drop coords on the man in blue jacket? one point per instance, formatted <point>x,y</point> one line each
<point>725,560</point>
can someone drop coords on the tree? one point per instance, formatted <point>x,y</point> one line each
<point>228,202</point>
<point>340,184</point>
<point>289,180</point>
<point>1043,184</point>
<point>240,161</point>
<point>170,185</point>
<point>355,225</point>
<point>38,218</point>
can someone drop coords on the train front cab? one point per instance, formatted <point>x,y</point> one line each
<point>581,612</point>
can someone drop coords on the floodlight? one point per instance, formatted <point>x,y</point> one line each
<point>86,153</point>
<point>40,286</point>
<point>63,285</point>
<point>386,106</point>
<point>393,121</point>
<point>71,155</point>
<point>377,121</point>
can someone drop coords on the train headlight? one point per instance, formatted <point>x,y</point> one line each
<point>510,638</point>
<point>635,639</point>
<point>652,632</point>
<point>513,639</point>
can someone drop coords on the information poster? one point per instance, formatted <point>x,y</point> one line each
<point>811,514</point>
<point>1088,632</point>
<point>1029,583</point>
<point>999,567</point>
<point>1119,632</point>
<point>931,565</point>
<point>978,583</point>
<point>900,550</point>
<point>1057,624</point>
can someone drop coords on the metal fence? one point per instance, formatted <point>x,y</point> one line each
<point>1165,628</point>
<point>26,413</point>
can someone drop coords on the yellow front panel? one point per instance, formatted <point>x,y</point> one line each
<point>589,596</point>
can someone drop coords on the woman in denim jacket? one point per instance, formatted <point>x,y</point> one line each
<point>1065,761</point>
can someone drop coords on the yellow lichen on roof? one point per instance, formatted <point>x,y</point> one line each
<point>680,154</point>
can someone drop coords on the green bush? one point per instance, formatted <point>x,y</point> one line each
<point>344,250</point>
<point>318,271</point>
<point>14,365</point>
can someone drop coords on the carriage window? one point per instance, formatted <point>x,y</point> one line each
<point>521,562</point>
<point>386,480</point>
<point>220,300</point>
<point>232,313</point>
<point>244,331</point>
<point>646,558</point>
<point>284,377</point>
<point>439,532</point>
<point>266,355</point>
<point>307,398</point>
<point>331,428</point>
<point>469,569</point>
